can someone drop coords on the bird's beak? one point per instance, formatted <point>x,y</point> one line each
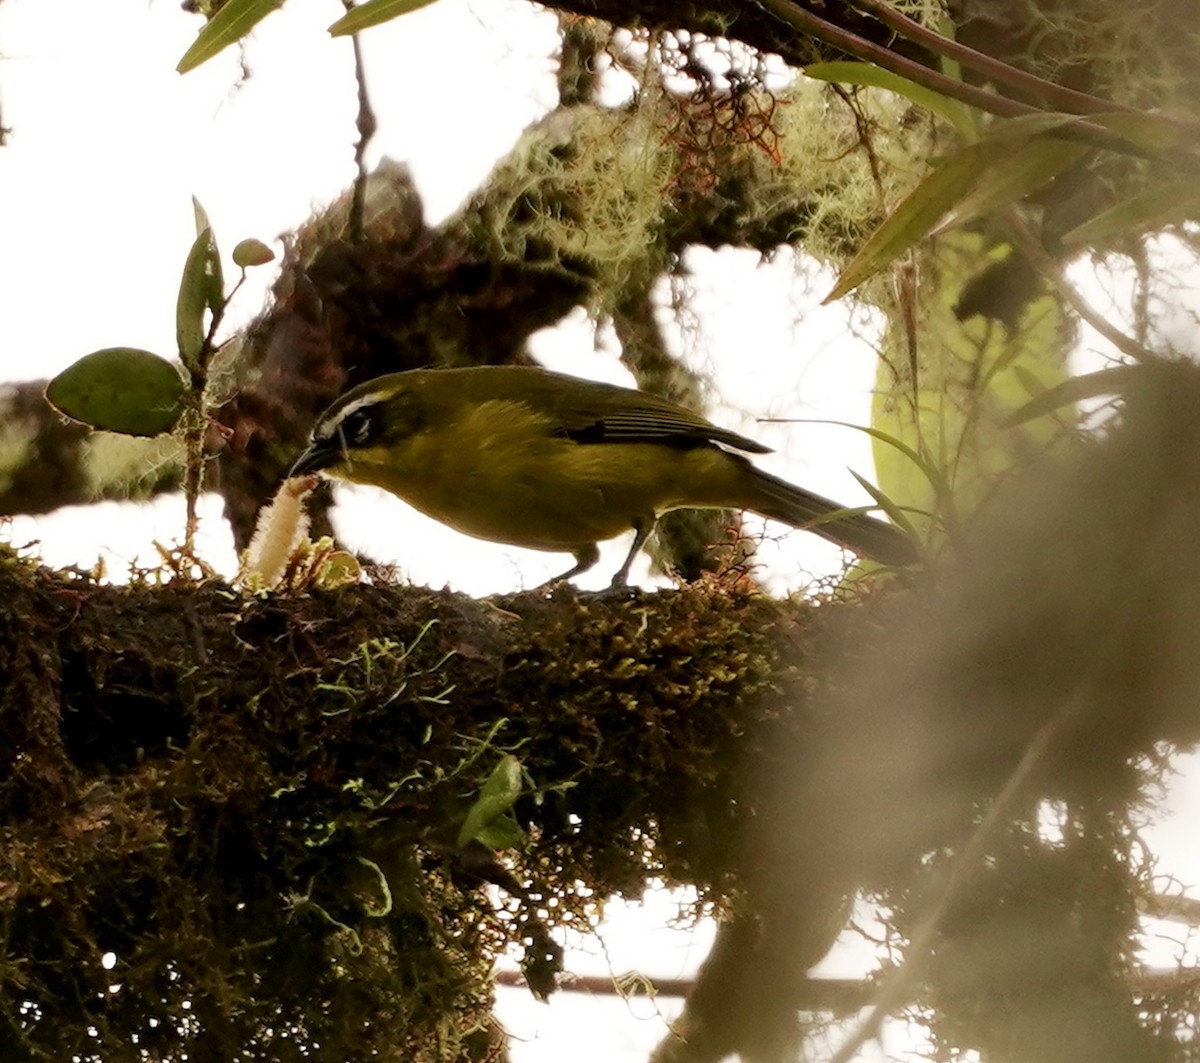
<point>318,456</point>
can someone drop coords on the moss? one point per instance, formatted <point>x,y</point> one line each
<point>130,466</point>
<point>253,802</point>
<point>585,192</point>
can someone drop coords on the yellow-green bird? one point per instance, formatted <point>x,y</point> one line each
<point>537,459</point>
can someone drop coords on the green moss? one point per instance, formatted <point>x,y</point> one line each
<point>253,802</point>
<point>586,192</point>
<point>128,465</point>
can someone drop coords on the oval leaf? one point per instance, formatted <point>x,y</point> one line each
<point>120,389</point>
<point>229,25</point>
<point>339,569</point>
<point>372,13</point>
<point>498,795</point>
<point>251,252</point>
<point>502,833</point>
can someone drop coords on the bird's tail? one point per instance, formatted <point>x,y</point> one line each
<point>866,536</point>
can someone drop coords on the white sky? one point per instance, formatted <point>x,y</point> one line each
<point>108,145</point>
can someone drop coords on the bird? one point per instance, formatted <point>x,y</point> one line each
<point>538,459</point>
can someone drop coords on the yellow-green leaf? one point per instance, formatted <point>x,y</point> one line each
<point>251,252</point>
<point>216,292</point>
<point>200,289</point>
<point>1154,133</point>
<point>938,417</point>
<point>1164,204</point>
<point>895,512</point>
<point>504,832</point>
<point>1023,171</point>
<point>120,389</point>
<point>373,13</point>
<point>931,472</point>
<point>498,795</point>
<point>1149,133</point>
<point>228,26</point>
<point>955,180</point>
<point>200,215</point>
<point>916,215</point>
<point>339,569</point>
<point>1115,381</point>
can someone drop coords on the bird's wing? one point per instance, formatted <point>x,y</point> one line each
<point>591,412</point>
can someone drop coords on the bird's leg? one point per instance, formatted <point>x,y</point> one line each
<point>585,558</point>
<point>642,529</point>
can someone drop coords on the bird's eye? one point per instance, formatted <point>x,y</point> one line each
<point>359,428</point>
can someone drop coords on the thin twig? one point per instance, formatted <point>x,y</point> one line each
<point>195,423</point>
<point>366,124</point>
<point>193,477</point>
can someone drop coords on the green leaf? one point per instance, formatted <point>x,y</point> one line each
<point>955,182</point>
<point>1030,125</point>
<point>372,13</point>
<point>229,25</point>
<point>1154,208</point>
<point>894,511</point>
<point>1024,171</point>
<point>498,795</point>
<point>933,475</point>
<point>251,252</point>
<point>1154,133</point>
<point>1116,381</point>
<point>216,294</point>
<point>120,389</point>
<point>502,833</point>
<point>201,216</point>
<point>200,289</point>
<point>916,215</point>
<point>855,73</point>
